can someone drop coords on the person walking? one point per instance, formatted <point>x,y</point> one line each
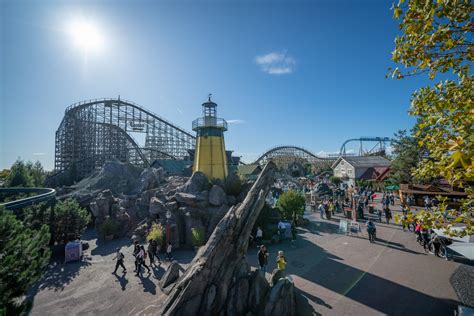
<point>435,241</point>
<point>388,215</point>
<point>405,223</point>
<point>321,210</point>
<point>371,230</point>
<point>141,260</point>
<point>169,248</point>
<point>136,250</point>
<point>258,236</point>
<point>119,257</point>
<point>379,214</point>
<point>263,258</point>
<point>152,249</point>
<point>281,261</point>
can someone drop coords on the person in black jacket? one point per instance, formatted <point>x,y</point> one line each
<point>263,258</point>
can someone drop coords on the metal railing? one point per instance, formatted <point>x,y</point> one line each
<point>209,122</point>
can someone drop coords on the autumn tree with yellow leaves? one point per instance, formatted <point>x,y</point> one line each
<point>436,40</point>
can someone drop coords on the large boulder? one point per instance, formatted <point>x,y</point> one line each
<point>186,199</point>
<point>171,275</point>
<point>150,178</point>
<point>258,291</point>
<point>157,207</point>
<point>146,196</point>
<point>217,196</point>
<point>281,300</point>
<point>197,183</point>
<point>276,276</point>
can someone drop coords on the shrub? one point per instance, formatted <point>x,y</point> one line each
<point>70,221</point>
<point>109,227</point>
<point>197,236</point>
<point>335,180</point>
<point>156,234</point>
<point>233,185</point>
<point>291,204</point>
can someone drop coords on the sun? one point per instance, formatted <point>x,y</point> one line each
<point>86,36</point>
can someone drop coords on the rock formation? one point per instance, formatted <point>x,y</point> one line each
<point>218,280</point>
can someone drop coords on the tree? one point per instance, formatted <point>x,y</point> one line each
<point>24,254</point>
<point>70,221</point>
<point>437,38</point>
<point>335,180</point>
<point>37,173</point>
<point>19,175</point>
<point>407,154</point>
<point>291,204</point>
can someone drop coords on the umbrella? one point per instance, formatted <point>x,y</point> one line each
<point>464,249</point>
<point>392,187</point>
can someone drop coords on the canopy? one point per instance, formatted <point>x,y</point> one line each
<point>465,239</point>
<point>464,249</point>
<point>392,187</point>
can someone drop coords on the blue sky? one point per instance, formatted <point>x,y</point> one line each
<point>306,73</point>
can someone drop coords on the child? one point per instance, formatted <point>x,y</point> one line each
<point>281,261</point>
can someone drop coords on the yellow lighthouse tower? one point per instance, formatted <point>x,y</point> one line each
<point>210,156</point>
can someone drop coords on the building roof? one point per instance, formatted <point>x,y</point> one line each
<point>249,169</point>
<point>374,173</point>
<point>173,167</point>
<point>364,161</point>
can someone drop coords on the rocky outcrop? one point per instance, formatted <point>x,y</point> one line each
<point>216,196</point>
<point>281,300</point>
<point>258,291</point>
<point>218,279</point>
<point>197,183</point>
<point>171,275</point>
<point>150,178</point>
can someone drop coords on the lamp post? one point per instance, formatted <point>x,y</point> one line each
<point>168,226</point>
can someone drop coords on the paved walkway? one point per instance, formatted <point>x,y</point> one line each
<point>336,275</point>
<point>347,275</point>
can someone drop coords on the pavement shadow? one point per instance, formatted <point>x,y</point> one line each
<point>107,247</point>
<point>378,293</point>
<point>148,285</point>
<point>122,280</point>
<point>57,276</point>
<point>158,271</point>
<point>302,303</point>
<point>323,227</point>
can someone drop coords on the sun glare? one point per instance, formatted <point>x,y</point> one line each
<point>86,36</point>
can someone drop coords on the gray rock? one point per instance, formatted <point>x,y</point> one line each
<point>197,183</point>
<point>259,288</point>
<point>149,179</point>
<point>157,207</point>
<point>216,196</point>
<point>171,275</point>
<point>186,199</point>
<point>281,300</point>
<point>276,276</point>
<point>146,196</point>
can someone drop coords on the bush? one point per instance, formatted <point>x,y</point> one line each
<point>197,235</point>
<point>156,234</point>
<point>335,180</point>
<point>24,254</point>
<point>70,221</point>
<point>291,204</point>
<point>233,185</point>
<point>109,227</point>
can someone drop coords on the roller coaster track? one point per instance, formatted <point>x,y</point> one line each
<point>43,195</point>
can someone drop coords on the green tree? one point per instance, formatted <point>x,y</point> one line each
<point>37,173</point>
<point>69,221</point>
<point>291,204</point>
<point>406,155</point>
<point>335,180</point>
<point>19,175</point>
<point>24,254</point>
<point>436,37</point>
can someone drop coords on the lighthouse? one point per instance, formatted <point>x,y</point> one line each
<point>210,156</point>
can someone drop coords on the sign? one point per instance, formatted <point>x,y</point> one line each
<point>342,227</point>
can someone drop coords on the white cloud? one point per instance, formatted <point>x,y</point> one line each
<point>276,63</point>
<point>236,121</point>
<point>179,110</point>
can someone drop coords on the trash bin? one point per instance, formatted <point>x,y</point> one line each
<point>349,214</point>
<point>371,209</point>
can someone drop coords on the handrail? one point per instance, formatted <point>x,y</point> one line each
<point>45,194</point>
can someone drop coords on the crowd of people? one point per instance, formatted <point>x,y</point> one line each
<point>140,255</point>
